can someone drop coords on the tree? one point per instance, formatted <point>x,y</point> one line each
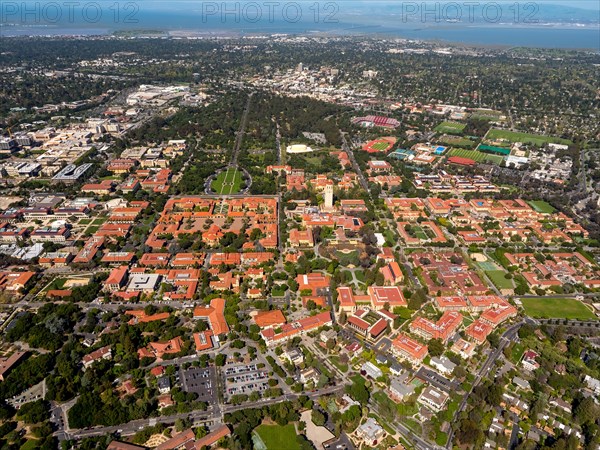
<point>220,360</point>
<point>358,391</point>
<point>468,432</point>
<point>318,418</point>
<point>494,340</point>
<point>586,411</point>
<point>436,347</point>
<point>34,412</point>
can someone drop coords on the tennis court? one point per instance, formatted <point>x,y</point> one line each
<point>487,265</point>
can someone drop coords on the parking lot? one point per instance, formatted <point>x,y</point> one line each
<point>245,379</point>
<point>30,395</point>
<point>437,380</point>
<point>201,381</point>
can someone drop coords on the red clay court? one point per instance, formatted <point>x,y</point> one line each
<point>379,145</point>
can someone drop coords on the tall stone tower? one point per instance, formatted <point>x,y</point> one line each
<point>328,197</point>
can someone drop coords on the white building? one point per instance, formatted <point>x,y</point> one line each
<point>442,365</point>
<point>370,432</point>
<point>433,398</point>
<point>372,370</point>
<point>298,148</point>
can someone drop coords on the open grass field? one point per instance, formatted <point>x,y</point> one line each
<point>276,437</point>
<point>456,141</point>
<point>557,308</point>
<point>487,114</point>
<point>497,277</point>
<point>493,159</point>
<point>514,136</point>
<point>228,182</point>
<point>450,127</point>
<point>542,206</point>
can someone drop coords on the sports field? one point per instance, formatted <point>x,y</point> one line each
<point>476,156</point>
<point>456,141</point>
<point>228,182</point>
<point>450,127</point>
<point>276,437</point>
<point>557,308</point>
<point>497,277</point>
<point>527,138</point>
<point>542,206</point>
<point>493,159</point>
<point>471,154</point>
<point>380,145</point>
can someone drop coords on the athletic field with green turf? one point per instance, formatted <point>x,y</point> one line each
<point>476,155</point>
<point>471,154</point>
<point>450,127</point>
<point>542,206</point>
<point>557,308</point>
<point>456,141</point>
<point>380,145</point>
<point>276,437</point>
<point>228,182</point>
<point>527,138</point>
<point>497,277</point>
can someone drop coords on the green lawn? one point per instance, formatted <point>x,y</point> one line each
<point>335,360</point>
<point>277,291</point>
<point>542,206</point>
<point>91,229</point>
<point>228,182</point>
<point>514,136</point>
<point>457,141</point>
<point>486,114</point>
<point>30,444</point>
<point>494,159</point>
<point>276,437</point>
<point>450,127</point>
<point>441,438</point>
<point>360,275</point>
<point>556,308</point>
<point>346,259</point>
<point>517,353</point>
<point>419,233</point>
<point>57,283</point>
<point>497,277</point>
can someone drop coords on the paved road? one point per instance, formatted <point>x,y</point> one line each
<point>361,178</point>
<point>240,134</point>
<point>509,335</point>
<point>416,440</point>
<point>213,414</point>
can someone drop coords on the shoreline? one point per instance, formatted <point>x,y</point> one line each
<point>445,35</point>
